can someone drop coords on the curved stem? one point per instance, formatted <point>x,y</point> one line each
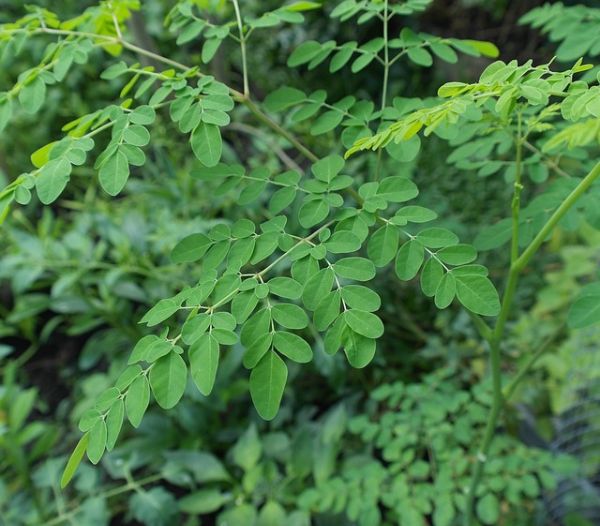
<point>240,97</point>
<point>560,212</point>
<point>132,485</point>
<point>495,351</point>
<point>257,112</point>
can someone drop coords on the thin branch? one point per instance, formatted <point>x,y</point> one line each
<point>510,389</point>
<point>238,17</point>
<point>116,23</point>
<point>549,161</point>
<point>240,97</point>
<point>256,132</point>
<point>386,57</point>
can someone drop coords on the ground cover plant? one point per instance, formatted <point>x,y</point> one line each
<point>222,223</point>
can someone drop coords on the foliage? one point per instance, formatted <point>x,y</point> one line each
<point>344,312</point>
<point>573,26</point>
<point>272,251</point>
<point>421,435</point>
<point>410,464</point>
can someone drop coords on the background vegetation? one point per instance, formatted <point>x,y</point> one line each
<point>391,443</point>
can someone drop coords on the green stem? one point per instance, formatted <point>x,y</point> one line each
<point>386,57</point>
<point>560,212</point>
<point>482,327</point>
<point>240,97</point>
<point>238,17</point>
<point>257,112</point>
<point>130,486</point>
<point>510,389</point>
<point>549,161</point>
<point>386,73</point>
<point>496,337</point>
<point>516,201</point>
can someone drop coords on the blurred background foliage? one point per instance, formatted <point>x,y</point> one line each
<point>390,444</point>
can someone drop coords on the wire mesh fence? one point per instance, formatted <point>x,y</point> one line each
<point>576,502</point>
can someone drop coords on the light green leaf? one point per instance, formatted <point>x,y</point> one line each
<point>327,168</point>
<point>359,269</point>
<point>487,49</point>
<point>413,214</point>
<point>136,135</point>
<point>257,349</point>
<point>257,325</point>
<point>477,294</point>
<point>488,509</point>
<point>283,98</point>
<point>272,514</point>
<point>164,309</point>
<point>143,115</point>
<point>203,501</point>
<point>114,173</point>
<point>289,316</point>
<point>242,514</point>
<point>243,305</point>
<point>409,260</point>
<point>52,179</point>
<point>585,310</point>
<point>457,254</point>
<point>419,56</point>
<point>32,95</point>
<point>265,245</point>
<point>445,292</point>
<point>267,383</point>
<point>359,350</point>
<point>42,155</point>
<point>190,248</point>
<point>313,212</point>
<point>363,60</point>
<point>327,310</point>
<point>326,122</point>
<point>281,199</point>
<point>207,144</point>
<point>365,323</point>
<point>302,5</point>
<point>97,441</point>
<point>317,287</point>
<point>304,53</point>
<point>437,237</point>
<point>168,379</point>
<point>137,400</point>
<point>74,460</point>
<point>292,346</point>
<point>285,287</point>
<point>341,58</point>
<point>248,449</point>
<point>114,422</point>
<point>383,245</point>
<point>204,362</point>
<point>343,242</point>
<point>362,298</point>
<point>444,52</point>
<point>210,48</point>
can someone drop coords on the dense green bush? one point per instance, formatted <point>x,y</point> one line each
<point>199,185</point>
